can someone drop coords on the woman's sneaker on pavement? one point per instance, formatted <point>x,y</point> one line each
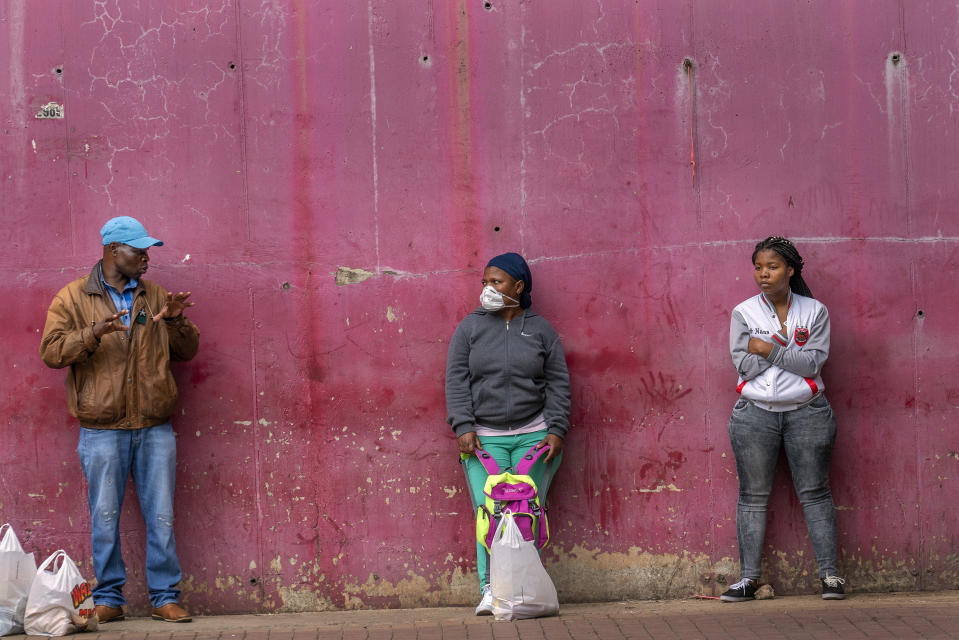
<point>832,588</point>
<point>485,607</point>
<point>743,590</point>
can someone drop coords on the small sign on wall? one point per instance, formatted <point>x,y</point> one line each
<point>50,110</point>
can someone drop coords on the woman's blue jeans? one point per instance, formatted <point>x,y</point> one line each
<point>108,457</point>
<point>807,433</point>
<point>507,450</point>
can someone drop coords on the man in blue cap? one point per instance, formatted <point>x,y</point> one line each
<point>118,332</point>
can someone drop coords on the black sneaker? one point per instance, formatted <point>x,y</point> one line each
<point>832,588</point>
<point>743,590</point>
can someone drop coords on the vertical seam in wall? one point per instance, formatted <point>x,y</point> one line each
<point>245,170</point>
<point>904,111</point>
<point>429,21</point>
<point>522,128</point>
<point>257,469</point>
<point>376,190</point>
<point>920,560</point>
<point>19,105</point>
<point>690,76</point>
<point>244,154</point>
<point>66,137</point>
<point>694,145</point>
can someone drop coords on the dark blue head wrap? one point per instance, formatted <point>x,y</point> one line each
<point>513,264</point>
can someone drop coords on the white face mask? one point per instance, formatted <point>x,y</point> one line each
<point>493,300</point>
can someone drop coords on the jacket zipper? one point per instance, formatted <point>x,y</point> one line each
<point>138,401</point>
<point>509,379</point>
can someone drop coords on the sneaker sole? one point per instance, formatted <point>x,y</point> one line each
<point>736,598</point>
<point>833,596</point>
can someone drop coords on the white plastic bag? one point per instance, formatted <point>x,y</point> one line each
<point>60,601</point>
<point>521,587</point>
<point>17,570</point>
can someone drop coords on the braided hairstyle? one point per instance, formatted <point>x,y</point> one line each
<point>787,250</point>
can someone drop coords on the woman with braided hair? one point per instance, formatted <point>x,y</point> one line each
<point>779,341</point>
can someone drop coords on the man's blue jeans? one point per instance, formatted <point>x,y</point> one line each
<point>807,433</point>
<point>108,456</point>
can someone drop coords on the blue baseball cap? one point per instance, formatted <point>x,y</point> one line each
<point>127,230</point>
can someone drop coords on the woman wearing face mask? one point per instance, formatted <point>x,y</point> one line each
<point>507,387</point>
<point>779,341</point>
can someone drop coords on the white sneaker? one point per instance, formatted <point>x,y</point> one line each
<point>485,607</point>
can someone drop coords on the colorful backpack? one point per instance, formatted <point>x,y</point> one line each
<point>514,493</point>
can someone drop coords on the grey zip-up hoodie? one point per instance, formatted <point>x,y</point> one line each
<point>502,375</point>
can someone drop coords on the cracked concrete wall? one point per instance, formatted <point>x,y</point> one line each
<point>330,179</point>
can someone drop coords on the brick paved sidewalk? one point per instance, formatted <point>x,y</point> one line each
<point>874,616</point>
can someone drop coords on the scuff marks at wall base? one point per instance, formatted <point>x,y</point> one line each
<point>301,598</point>
<point>944,571</point>
<point>593,575</point>
<point>864,573</point>
<point>448,588</point>
<point>580,574</point>
<point>412,591</point>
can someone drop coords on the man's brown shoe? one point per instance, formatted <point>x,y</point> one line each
<point>108,614</point>
<point>171,612</point>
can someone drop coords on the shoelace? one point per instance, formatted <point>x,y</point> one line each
<point>742,584</point>
<point>833,581</point>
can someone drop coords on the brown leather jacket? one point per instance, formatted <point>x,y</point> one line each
<point>120,382</point>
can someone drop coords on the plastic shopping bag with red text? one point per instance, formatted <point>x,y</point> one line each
<point>60,600</point>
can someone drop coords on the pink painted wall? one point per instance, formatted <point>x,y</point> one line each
<point>274,144</point>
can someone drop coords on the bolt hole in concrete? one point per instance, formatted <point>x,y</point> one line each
<point>687,64</point>
<point>58,70</point>
<point>495,228</point>
<point>920,314</point>
<point>285,286</point>
<point>426,58</point>
<point>253,580</point>
<point>488,6</point>
<point>233,65</point>
<point>896,58</point>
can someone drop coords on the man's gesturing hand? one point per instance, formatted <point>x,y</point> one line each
<point>109,325</point>
<point>175,304</point>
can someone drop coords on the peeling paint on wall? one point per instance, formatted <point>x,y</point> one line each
<point>346,275</point>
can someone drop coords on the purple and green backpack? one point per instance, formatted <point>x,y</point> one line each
<point>514,493</point>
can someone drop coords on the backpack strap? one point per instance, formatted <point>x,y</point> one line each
<point>487,461</point>
<point>530,458</point>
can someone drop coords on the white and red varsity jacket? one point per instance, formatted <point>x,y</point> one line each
<point>789,377</point>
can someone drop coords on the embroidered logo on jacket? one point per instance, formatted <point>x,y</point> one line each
<point>801,336</point>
